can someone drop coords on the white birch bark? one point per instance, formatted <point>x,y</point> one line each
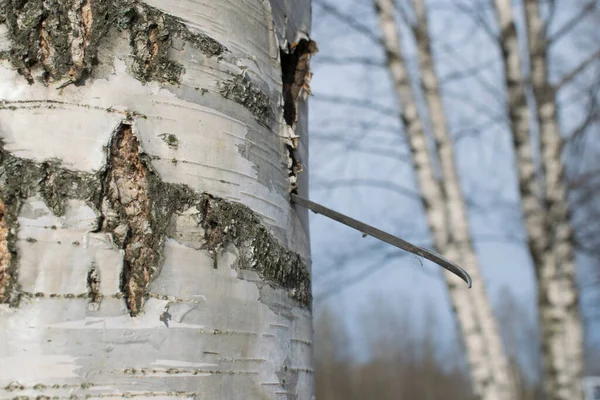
<point>519,125</point>
<point>558,298</point>
<point>500,383</point>
<point>445,213</point>
<point>148,247</point>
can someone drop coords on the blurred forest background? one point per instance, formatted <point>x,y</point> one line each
<point>471,127</point>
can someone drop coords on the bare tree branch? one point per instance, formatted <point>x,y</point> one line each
<point>366,61</point>
<point>361,276</point>
<point>348,20</point>
<point>372,183</point>
<point>340,257</point>
<point>357,147</point>
<point>569,76</point>
<point>475,15</point>
<point>551,14</point>
<point>486,84</point>
<point>467,73</point>
<point>360,103</point>
<point>572,23</point>
<point>590,119</point>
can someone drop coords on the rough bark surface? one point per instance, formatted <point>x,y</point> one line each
<point>147,241</point>
<point>558,296</point>
<point>126,213</point>
<point>445,212</point>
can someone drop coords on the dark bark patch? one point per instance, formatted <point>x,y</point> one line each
<point>20,179</point>
<point>241,90</point>
<point>63,36</point>
<point>141,18</point>
<point>15,177</point>
<point>93,284</point>
<point>170,140</point>
<point>288,378</point>
<point>227,223</point>
<point>150,41</point>
<point>58,184</point>
<point>136,207</point>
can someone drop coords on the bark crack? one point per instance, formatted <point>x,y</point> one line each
<point>82,20</point>
<point>296,76</point>
<point>5,256</point>
<point>126,214</point>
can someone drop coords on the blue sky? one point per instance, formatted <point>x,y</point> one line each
<point>349,143</point>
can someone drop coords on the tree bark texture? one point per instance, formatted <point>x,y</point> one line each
<point>148,247</point>
<point>558,296</point>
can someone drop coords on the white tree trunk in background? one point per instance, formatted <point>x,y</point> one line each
<point>499,383</point>
<point>558,297</point>
<point>446,216</point>
<point>148,247</point>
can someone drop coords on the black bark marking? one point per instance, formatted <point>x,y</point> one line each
<point>93,284</point>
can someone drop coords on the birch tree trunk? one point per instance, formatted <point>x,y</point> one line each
<point>445,210</point>
<point>499,383</point>
<point>148,247</point>
<point>558,297</point>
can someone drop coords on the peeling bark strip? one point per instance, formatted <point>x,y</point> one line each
<point>63,35</point>
<point>231,223</point>
<point>5,256</point>
<point>127,215</point>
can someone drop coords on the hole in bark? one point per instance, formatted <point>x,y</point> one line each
<point>295,70</point>
<point>295,76</point>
